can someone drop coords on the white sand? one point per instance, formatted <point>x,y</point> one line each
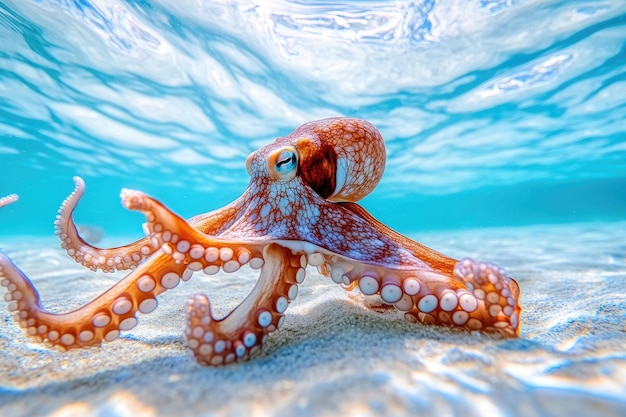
<point>334,356</point>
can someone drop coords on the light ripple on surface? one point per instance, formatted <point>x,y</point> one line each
<point>468,94</point>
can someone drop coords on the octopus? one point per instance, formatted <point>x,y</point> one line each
<point>299,211</point>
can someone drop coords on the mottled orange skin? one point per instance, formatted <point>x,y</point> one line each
<point>299,209</point>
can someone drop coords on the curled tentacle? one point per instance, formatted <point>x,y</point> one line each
<point>101,319</point>
<point>188,246</point>
<point>242,333</point>
<point>244,330</point>
<point>124,257</point>
<point>497,295</point>
<point>9,199</point>
<point>108,260</point>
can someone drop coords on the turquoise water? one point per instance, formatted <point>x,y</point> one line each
<point>495,113</point>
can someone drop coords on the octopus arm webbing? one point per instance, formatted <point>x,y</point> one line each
<point>434,259</point>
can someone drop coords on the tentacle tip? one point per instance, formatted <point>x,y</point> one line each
<point>198,305</point>
<point>78,181</point>
<point>9,199</point>
<point>133,199</point>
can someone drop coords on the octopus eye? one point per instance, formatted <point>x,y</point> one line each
<point>287,161</point>
<point>282,163</point>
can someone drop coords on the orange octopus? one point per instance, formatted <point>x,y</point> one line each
<point>299,210</point>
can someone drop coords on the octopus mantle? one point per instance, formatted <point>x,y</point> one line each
<point>299,210</point>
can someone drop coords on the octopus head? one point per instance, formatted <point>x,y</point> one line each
<point>341,159</point>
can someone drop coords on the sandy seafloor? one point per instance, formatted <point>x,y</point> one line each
<point>334,356</point>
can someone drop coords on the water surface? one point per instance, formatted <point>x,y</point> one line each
<point>494,112</point>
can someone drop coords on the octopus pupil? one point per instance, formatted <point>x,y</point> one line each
<point>286,163</point>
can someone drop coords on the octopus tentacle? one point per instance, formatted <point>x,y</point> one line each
<point>123,257</point>
<point>108,260</point>
<point>187,245</point>
<point>476,296</point>
<point>213,222</point>
<point>498,313</point>
<point>9,199</point>
<point>101,319</point>
<point>497,295</point>
<point>242,333</point>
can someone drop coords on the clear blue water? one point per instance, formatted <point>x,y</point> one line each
<point>495,113</point>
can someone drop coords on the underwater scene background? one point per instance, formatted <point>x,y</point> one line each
<point>505,126</point>
<point>495,113</point>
